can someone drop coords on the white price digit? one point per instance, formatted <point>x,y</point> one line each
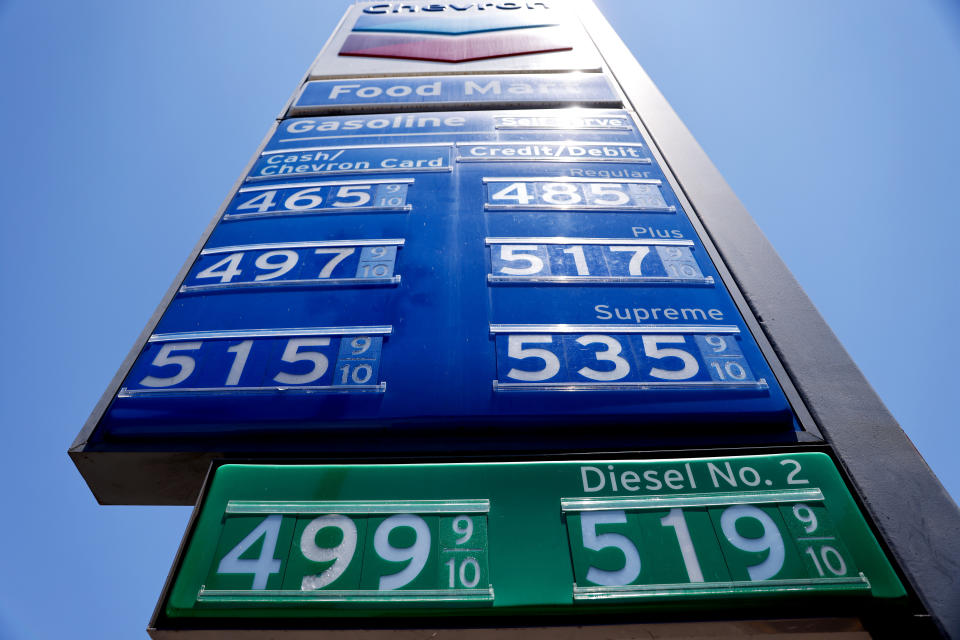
<point>463,527</point>
<point>292,354</point>
<point>771,540</point>
<point>260,202</point>
<point>163,358</point>
<point>231,268</point>
<point>360,345</point>
<point>612,354</point>
<point>417,553</point>
<point>359,193</point>
<point>681,271</point>
<point>561,193</point>
<point>652,349</point>
<point>339,255</point>
<point>288,260</point>
<point>265,564</point>
<point>358,373</point>
<point>718,343</point>
<point>304,199</point>
<point>516,191</point>
<point>579,260</point>
<point>672,253</point>
<point>597,542</point>
<point>831,559</point>
<point>614,190</point>
<point>470,563</point>
<point>730,369</point>
<point>639,253</point>
<point>241,352</point>
<point>676,520</point>
<point>510,253</point>
<point>805,514</point>
<point>376,270</point>
<point>341,554</point>
<point>551,364</point>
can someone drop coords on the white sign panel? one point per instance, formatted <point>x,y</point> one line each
<point>406,38</point>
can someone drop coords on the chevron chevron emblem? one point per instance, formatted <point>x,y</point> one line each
<point>449,39</point>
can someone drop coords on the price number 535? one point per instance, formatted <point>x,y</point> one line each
<point>621,361</point>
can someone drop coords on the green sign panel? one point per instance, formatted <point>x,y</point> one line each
<point>284,541</point>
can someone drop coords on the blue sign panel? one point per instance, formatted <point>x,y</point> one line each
<point>461,280</point>
<point>384,94</point>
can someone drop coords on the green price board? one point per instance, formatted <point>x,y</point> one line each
<point>296,541</point>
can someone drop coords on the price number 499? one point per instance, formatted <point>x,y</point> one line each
<point>348,553</point>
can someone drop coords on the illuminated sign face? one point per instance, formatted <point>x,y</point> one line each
<point>417,37</point>
<point>453,38</point>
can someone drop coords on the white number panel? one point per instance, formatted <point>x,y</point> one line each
<point>307,264</point>
<point>594,261</point>
<point>575,194</point>
<point>320,359</point>
<point>298,198</point>
<point>568,357</point>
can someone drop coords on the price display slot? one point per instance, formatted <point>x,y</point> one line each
<point>702,545</point>
<point>312,198</point>
<point>349,553</point>
<point>593,261</point>
<point>575,194</point>
<point>259,361</point>
<point>562,151</point>
<point>571,357</point>
<point>334,263</point>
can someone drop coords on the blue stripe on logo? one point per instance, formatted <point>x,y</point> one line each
<point>446,25</point>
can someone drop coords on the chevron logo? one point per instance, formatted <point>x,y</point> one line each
<point>452,39</point>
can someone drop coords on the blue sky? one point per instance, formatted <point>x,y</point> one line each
<point>125,124</point>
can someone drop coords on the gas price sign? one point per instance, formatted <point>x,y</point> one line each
<point>322,541</point>
<point>459,243</point>
<point>532,268</point>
